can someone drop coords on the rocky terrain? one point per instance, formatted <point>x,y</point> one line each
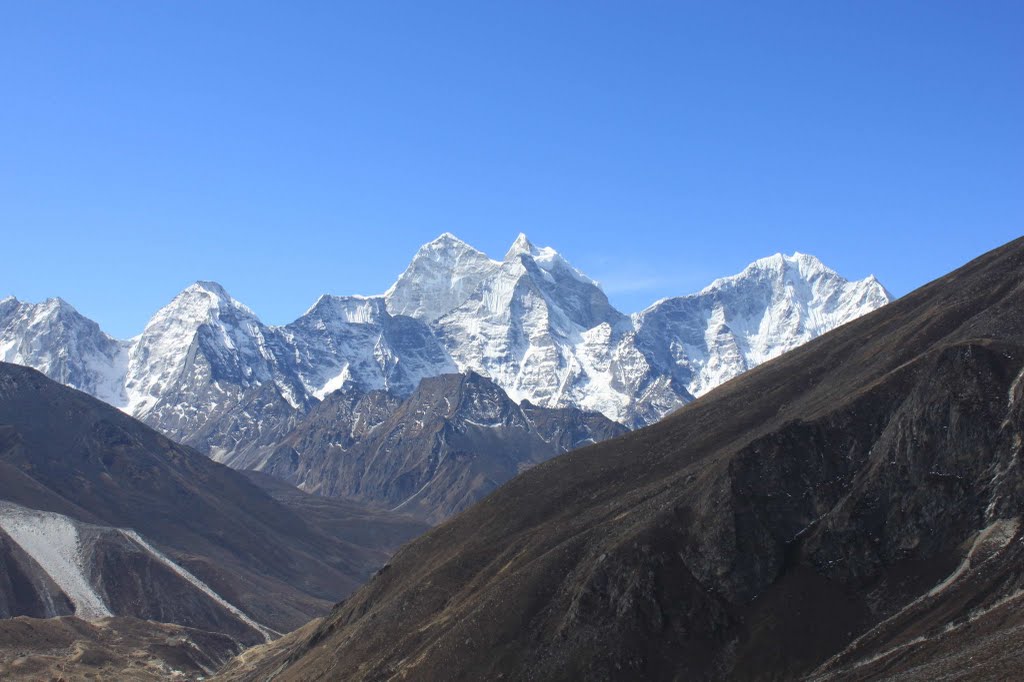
<point>101,516</point>
<point>72,650</point>
<point>453,441</point>
<point>850,510</point>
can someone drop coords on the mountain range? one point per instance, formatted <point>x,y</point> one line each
<point>539,328</point>
<point>205,371</point>
<point>850,510</point>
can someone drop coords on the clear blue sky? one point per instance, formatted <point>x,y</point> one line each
<point>289,149</point>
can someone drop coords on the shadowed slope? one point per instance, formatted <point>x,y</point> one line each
<point>831,494</point>
<point>66,453</point>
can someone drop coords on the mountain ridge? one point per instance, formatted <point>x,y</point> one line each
<point>540,328</point>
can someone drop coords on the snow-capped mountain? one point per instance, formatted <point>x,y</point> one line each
<point>529,326</point>
<point>57,340</point>
<point>736,323</point>
<point>442,275</point>
<point>354,341</point>
<point>206,371</point>
<point>201,339</point>
<point>546,333</point>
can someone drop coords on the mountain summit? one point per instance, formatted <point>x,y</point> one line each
<point>65,345</point>
<point>442,275</point>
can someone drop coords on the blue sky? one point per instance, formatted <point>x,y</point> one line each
<point>291,149</point>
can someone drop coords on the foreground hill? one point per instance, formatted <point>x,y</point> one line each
<point>101,516</point>
<point>849,510</point>
<point>70,649</point>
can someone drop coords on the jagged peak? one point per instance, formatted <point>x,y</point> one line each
<point>444,244</point>
<point>521,246</point>
<point>209,287</point>
<point>545,257</point>
<point>198,301</point>
<point>781,260</point>
<point>460,380</point>
<point>471,377</point>
<point>352,309</point>
<point>872,282</point>
<point>805,265</point>
<point>50,307</point>
<point>53,303</point>
<point>57,303</point>
<point>446,239</point>
<point>441,275</point>
<point>446,251</point>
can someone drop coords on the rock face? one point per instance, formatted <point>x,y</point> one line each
<point>433,454</point>
<point>101,516</point>
<point>847,510</point>
<point>442,276</point>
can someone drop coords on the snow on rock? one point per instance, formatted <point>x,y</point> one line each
<point>68,347</point>
<point>354,341</point>
<point>547,333</point>
<point>738,322</point>
<point>442,275</point>
<point>52,541</point>
<point>267,633</point>
<point>201,320</point>
<point>523,325</point>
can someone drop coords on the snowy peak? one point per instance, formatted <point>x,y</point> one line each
<point>198,303</point>
<point>202,336</point>
<point>441,276</point>
<point>545,258</point>
<point>524,325</point>
<point>537,327</point>
<point>7,307</point>
<point>520,247</point>
<point>780,269</point>
<point>446,242</point>
<point>774,305</point>
<point>353,341</point>
<point>52,309</point>
<point>56,339</point>
<point>329,310</point>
